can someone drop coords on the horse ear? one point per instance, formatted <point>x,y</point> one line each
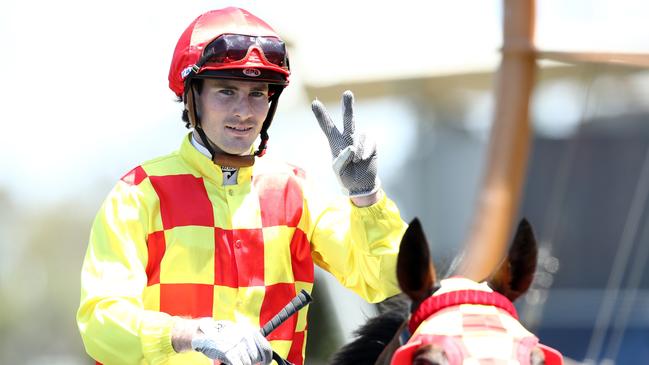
<point>515,274</point>
<point>415,270</point>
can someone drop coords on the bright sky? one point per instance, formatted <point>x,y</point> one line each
<point>85,92</point>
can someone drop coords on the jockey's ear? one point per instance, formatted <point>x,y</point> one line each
<point>415,270</point>
<point>515,274</point>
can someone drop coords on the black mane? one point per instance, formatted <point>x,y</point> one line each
<point>371,338</point>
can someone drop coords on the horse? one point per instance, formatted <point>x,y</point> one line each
<point>454,321</point>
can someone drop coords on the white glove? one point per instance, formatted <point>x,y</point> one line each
<point>232,343</point>
<point>354,155</point>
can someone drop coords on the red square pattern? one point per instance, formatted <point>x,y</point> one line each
<point>193,300</point>
<point>135,176</point>
<point>275,298</point>
<point>301,261</point>
<point>183,201</point>
<point>239,257</point>
<point>280,200</point>
<point>156,247</point>
<point>295,353</point>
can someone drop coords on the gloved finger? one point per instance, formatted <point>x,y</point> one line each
<point>251,348</point>
<point>245,358</point>
<point>238,356</point>
<point>326,124</point>
<point>343,158</point>
<point>237,359</point>
<point>264,348</point>
<point>348,113</point>
<point>367,146</point>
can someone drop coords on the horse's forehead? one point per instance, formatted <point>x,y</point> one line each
<point>460,283</point>
<point>473,320</point>
<point>479,331</point>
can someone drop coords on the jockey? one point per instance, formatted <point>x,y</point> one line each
<point>192,252</point>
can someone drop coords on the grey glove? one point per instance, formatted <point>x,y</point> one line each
<point>354,155</point>
<point>232,343</point>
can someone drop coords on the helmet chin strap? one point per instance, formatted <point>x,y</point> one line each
<point>276,92</point>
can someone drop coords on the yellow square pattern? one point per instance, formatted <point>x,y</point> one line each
<point>189,257</point>
<point>277,255</point>
<point>248,305</point>
<point>151,297</point>
<point>220,209</point>
<point>244,207</point>
<point>302,314</point>
<point>281,347</point>
<point>166,166</point>
<point>225,299</point>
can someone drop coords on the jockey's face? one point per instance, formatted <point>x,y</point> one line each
<point>232,113</point>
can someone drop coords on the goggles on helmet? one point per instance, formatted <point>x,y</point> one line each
<point>232,48</point>
<point>258,54</point>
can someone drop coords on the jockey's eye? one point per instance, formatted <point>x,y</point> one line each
<point>429,355</point>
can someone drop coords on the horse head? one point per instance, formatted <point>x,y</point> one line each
<point>463,320</point>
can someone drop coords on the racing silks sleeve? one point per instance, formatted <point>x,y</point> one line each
<point>111,318</point>
<point>358,246</point>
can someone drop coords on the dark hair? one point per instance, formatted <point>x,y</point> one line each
<point>198,85</point>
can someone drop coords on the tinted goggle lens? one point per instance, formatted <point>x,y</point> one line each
<point>235,47</point>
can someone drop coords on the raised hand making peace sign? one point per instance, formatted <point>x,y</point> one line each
<point>354,155</point>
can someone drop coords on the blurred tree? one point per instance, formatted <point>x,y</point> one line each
<point>40,292</point>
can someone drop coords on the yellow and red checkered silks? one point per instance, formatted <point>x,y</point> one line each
<point>171,240</point>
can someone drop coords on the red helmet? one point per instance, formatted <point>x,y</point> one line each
<point>229,43</point>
